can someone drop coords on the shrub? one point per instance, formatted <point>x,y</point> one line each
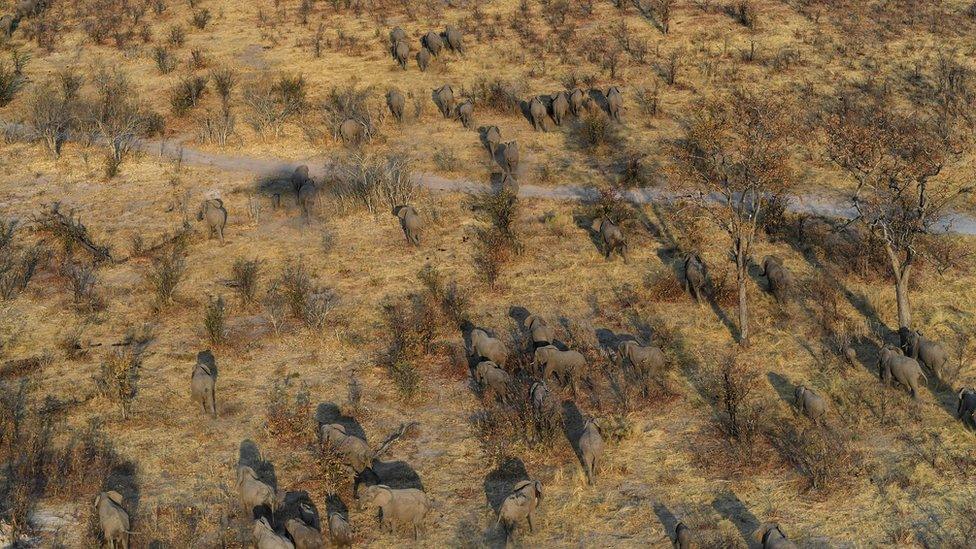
<point>244,276</point>
<point>595,133</point>
<point>744,12</point>
<point>82,281</point>
<point>214,320</point>
<point>176,36</point>
<point>275,307</point>
<point>453,301</point>
<point>663,286</point>
<point>288,412</point>
<point>116,379</point>
<point>733,384</point>
<point>197,59</point>
<point>165,274</point>
<point>410,323</point>
<point>497,95</point>
<point>496,239</point>
<point>12,79</point>
<point>201,18</point>
<point>295,284</point>
<point>165,61</point>
<point>187,94</point>
<point>372,181</point>
<point>405,378</point>
<point>273,103</point>
<point>319,307</point>
<point>826,457</point>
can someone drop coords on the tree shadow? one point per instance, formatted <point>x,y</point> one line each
<point>329,412</point>
<point>731,507</point>
<point>397,474</point>
<point>250,455</point>
<point>783,387</point>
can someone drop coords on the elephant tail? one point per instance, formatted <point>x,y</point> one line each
<point>925,377</point>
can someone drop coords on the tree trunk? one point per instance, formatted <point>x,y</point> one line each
<point>901,294</point>
<point>741,274</point>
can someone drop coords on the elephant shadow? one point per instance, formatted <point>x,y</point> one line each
<point>122,478</point>
<point>573,422</point>
<point>250,456</point>
<point>729,506</point>
<point>668,520</point>
<point>783,387</point>
<point>503,181</point>
<point>329,412</point>
<point>599,99</point>
<point>758,277</point>
<point>585,222</point>
<point>292,507</point>
<point>501,480</point>
<point>525,109</point>
<point>397,474</point>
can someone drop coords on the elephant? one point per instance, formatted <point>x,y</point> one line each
<point>465,113</point>
<point>433,42</point>
<point>8,24</point>
<point>695,272</point>
<point>615,102</point>
<point>851,355</point>
<point>454,39</point>
<point>543,401</point>
<point>213,213</point>
<point>113,519</point>
<point>203,381</point>
<point>299,177</point>
<point>560,106</point>
<point>682,536</point>
<point>410,222</point>
<point>351,131</point>
<point>266,538</point>
<point>444,98</point>
<point>304,536</point>
<point>905,370</point>
<point>780,278</point>
<point>576,101</point>
<point>355,453</point>
<point>537,112</point>
<point>397,34</point>
<point>772,537</point>
<point>307,194</point>
<point>401,53</point>
<point>561,364</point>
<point>398,506</point>
<point>809,403</point>
<point>966,410</point>
<point>492,378</point>
<point>27,8</point>
<point>423,59</point>
<point>254,493</point>
<point>542,333</point>
<point>643,359</point>
<point>493,136</point>
<point>396,102</point>
<point>520,505</point>
<point>590,445</point>
<point>483,345</point>
<point>930,354</point>
<point>510,155</point>
<point>340,533</point>
<point>612,237</point>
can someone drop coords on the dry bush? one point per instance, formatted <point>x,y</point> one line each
<point>80,467</point>
<point>55,110</point>
<point>663,286</point>
<point>82,282</point>
<point>116,378</point>
<point>18,261</point>
<point>744,12</point>
<point>215,320</point>
<point>515,430</point>
<point>496,238</point>
<point>25,439</point>
<point>595,133</point>
<point>406,378</point>
<point>176,36</point>
<point>187,94</point>
<point>164,275</point>
<point>200,18</point>
<point>825,456</point>
<point>648,101</point>
<point>288,412</point>
<point>500,96</point>
<point>272,103</point>
<point>245,275</point>
<point>307,301</point>
<point>373,181</point>
<point>12,79</point>
<point>165,60</point>
<point>453,302</point>
<point>275,307</point>
<point>410,324</point>
<point>348,103</point>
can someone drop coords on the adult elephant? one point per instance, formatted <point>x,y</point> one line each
<point>903,369</point>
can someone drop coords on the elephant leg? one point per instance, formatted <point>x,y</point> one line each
<point>220,234</point>
<point>531,526</point>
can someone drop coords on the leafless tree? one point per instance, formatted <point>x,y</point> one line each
<point>734,160</point>
<point>895,159</point>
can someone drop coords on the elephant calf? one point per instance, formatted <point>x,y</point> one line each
<point>254,493</point>
<point>611,236</point>
<point>403,506</point>
<point>454,39</point>
<point>520,505</point>
<point>465,113</point>
<point>966,410</point>
<point>433,42</point>
<point>444,98</point>
<point>644,360</point>
<point>560,364</point>
<point>809,403</point>
<point>576,101</point>
<point>615,103</point>
<point>213,213</point>
<point>682,536</point>
<point>396,102</point>
<point>423,59</point>
<point>266,538</point>
<point>485,346</point>
<point>590,445</point>
<point>340,533</point>
<point>203,382</point>
<point>492,378</point>
<point>113,519</point>
<point>304,536</point>
<point>695,276</point>
<point>560,107</point>
<point>510,156</point>
<point>355,453</point>
<point>779,277</point>
<point>493,136</point>
<point>410,222</point>
<point>537,112</point>
<point>905,370</point>
<point>543,403</point>
<point>542,333</point>
<point>400,51</point>
<point>772,537</point>
<point>930,354</point>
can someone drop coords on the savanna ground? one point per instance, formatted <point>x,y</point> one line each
<point>884,471</point>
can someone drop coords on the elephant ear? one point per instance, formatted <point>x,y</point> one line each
<point>530,321</point>
<point>115,497</point>
<point>400,211</point>
<point>538,490</point>
<point>98,498</point>
<point>597,224</point>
